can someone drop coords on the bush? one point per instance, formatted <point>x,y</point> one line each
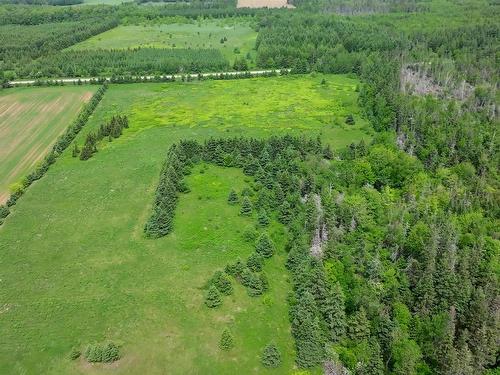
<point>74,354</point>
<point>93,353</point>
<point>232,197</point>
<point>349,120</point>
<point>110,353</point>
<point>226,340</point>
<point>271,356</point>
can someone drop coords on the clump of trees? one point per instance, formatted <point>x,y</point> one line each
<point>110,130</point>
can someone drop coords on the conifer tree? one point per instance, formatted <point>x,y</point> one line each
<point>262,218</point>
<point>232,197</point>
<point>246,207</point>
<point>264,246</point>
<point>271,356</point>
<point>359,326</point>
<point>226,340</point>
<point>213,298</point>
<point>255,262</point>
<point>285,214</point>
<point>222,283</point>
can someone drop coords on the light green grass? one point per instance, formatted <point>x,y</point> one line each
<point>30,121</point>
<point>206,34</point>
<point>75,267</point>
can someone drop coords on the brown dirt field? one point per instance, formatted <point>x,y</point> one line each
<point>264,4</point>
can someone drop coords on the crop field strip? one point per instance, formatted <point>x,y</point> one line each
<point>31,119</point>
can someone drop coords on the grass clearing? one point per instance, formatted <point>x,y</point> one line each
<point>30,121</point>
<point>196,35</point>
<point>75,267</point>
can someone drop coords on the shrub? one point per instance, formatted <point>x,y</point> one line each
<point>110,353</point>
<point>213,298</point>
<point>74,354</point>
<point>271,356</point>
<point>226,340</point>
<point>349,120</point>
<point>93,353</point>
<point>4,211</point>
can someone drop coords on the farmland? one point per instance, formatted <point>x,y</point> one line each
<point>146,294</point>
<point>30,121</point>
<point>194,35</point>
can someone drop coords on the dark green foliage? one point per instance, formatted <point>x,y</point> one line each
<point>155,61</point>
<point>262,218</point>
<point>246,207</point>
<point>235,269</point>
<point>222,283</point>
<point>232,197</point>
<point>349,120</point>
<point>255,262</point>
<point>4,211</point>
<point>271,356</point>
<point>226,340</point>
<point>264,246</point>
<point>213,298</point>
<point>112,129</point>
<point>253,283</point>
<point>285,213</point>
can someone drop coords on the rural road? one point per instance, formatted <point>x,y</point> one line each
<point>165,76</point>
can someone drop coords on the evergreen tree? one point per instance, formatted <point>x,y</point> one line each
<point>264,246</point>
<point>262,218</point>
<point>271,356</point>
<point>222,283</point>
<point>349,120</point>
<point>285,213</point>
<point>359,326</point>
<point>226,340</point>
<point>213,298</point>
<point>334,312</point>
<point>110,353</point>
<point>233,197</point>
<point>307,332</point>
<point>246,207</point>
<point>255,262</point>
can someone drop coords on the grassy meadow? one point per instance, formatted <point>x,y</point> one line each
<point>30,121</point>
<point>205,35</point>
<point>75,267</point>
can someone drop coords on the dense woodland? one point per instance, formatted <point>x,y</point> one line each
<point>393,246</point>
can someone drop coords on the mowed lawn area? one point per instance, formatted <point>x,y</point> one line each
<point>240,37</point>
<point>75,267</point>
<point>30,121</point>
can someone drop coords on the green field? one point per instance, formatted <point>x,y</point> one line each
<point>205,35</point>
<point>75,267</point>
<point>30,121</point>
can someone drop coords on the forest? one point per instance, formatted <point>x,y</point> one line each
<point>391,245</point>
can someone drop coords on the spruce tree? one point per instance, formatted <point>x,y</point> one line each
<point>285,214</point>
<point>271,356</point>
<point>262,218</point>
<point>213,298</point>
<point>226,340</point>
<point>264,246</point>
<point>233,197</point>
<point>110,353</point>
<point>359,326</point>
<point>255,262</point>
<point>246,207</point>
<point>222,283</point>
